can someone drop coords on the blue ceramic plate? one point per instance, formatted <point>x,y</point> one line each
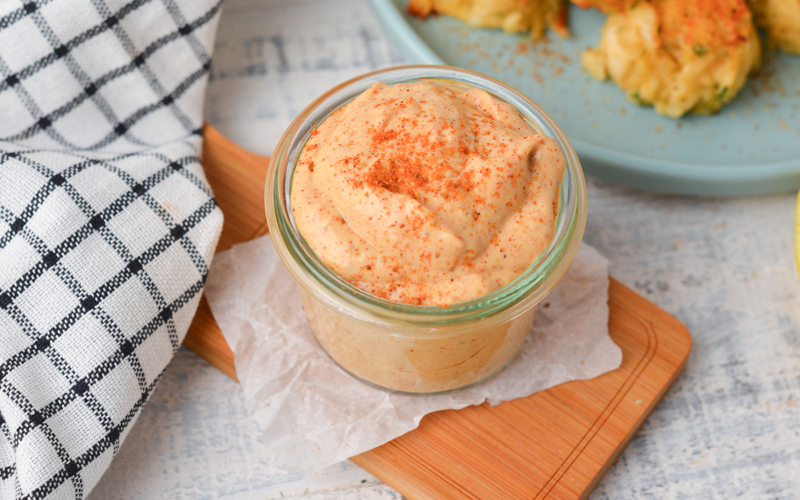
<point>752,146</point>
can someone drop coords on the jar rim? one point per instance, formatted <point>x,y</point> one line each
<point>515,297</point>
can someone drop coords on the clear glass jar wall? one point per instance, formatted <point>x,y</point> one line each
<point>420,349</point>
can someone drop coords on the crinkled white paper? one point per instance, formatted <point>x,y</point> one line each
<point>314,414</point>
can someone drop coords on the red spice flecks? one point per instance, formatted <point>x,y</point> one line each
<point>466,164</point>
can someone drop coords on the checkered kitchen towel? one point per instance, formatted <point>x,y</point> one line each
<point>107,224</point>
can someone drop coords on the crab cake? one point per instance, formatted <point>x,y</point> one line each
<point>678,55</point>
<point>781,20</point>
<point>510,15</point>
<point>606,6</point>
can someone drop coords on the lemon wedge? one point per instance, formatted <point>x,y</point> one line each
<point>797,234</point>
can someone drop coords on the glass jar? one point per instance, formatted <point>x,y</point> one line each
<point>407,348</point>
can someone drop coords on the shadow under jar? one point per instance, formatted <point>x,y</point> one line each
<point>407,348</point>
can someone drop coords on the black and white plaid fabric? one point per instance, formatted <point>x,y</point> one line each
<point>107,224</point>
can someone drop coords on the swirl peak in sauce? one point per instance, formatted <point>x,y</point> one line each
<point>426,194</point>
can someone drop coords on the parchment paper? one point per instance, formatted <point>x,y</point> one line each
<point>313,414</point>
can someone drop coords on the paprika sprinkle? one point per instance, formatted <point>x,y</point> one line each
<point>426,194</point>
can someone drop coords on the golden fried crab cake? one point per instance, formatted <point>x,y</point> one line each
<point>606,6</point>
<point>510,15</point>
<point>678,55</point>
<point>781,20</point>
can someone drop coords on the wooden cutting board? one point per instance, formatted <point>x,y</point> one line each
<point>555,444</point>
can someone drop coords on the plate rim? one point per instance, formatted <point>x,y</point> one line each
<point>624,168</point>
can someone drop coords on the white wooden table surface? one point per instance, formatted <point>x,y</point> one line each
<point>730,427</point>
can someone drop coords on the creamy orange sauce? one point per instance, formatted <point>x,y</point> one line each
<point>425,194</point>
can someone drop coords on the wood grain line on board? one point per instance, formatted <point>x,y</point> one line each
<point>554,444</point>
